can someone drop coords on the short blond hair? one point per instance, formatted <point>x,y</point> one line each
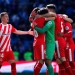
<point>2,14</point>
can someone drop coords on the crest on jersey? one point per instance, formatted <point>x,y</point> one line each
<point>50,22</point>
<point>67,28</point>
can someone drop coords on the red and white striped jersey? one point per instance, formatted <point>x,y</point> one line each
<point>5,33</point>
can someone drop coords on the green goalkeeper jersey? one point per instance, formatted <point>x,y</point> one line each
<point>49,29</point>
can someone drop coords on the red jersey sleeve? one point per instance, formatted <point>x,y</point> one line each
<point>13,29</point>
<point>38,21</point>
<point>68,30</point>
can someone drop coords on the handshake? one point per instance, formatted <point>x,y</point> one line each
<point>30,32</point>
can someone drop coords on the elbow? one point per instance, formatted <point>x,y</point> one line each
<point>71,21</point>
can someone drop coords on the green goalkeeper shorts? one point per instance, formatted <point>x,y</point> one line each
<point>50,49</point>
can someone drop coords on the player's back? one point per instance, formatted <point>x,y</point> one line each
<point>68,29</point>
<point>59,25</point>
<point>39,38</point>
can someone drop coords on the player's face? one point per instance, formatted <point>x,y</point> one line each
<point>48,9</point>
<point>33,13</point>
<point>5,18</point>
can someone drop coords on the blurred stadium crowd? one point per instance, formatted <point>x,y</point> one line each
<point>19,11</point>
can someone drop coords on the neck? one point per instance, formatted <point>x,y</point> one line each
<point>4,23</point>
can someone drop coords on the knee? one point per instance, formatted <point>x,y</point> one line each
<point>0,65</point>
<point>41,61</point>
<point>63,59</point>
<point>48,62</point>
<point>12,61</point>
<point>58,61</point>
<point>13,65</point>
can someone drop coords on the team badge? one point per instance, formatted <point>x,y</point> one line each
<point>67,28</point>
<point>50,22</point>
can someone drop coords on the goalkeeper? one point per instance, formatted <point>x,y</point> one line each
<point>48,29</point>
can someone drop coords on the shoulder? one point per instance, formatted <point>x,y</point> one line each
<point>67,26</point>
<point>50,22</point>
<point>9,25</point>
<point>67,23</point>
<point>59,15</point>
<point>40,19</point>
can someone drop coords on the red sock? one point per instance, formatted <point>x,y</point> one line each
<point>73,67</point>
<point>61,69</point>
<point>66,73</point>
<point>67,68</point>
<point>37,68</point>
<point>13,69</point>
<point>0,66</point>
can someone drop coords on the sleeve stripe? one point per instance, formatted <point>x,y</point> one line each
<point>69,31</point>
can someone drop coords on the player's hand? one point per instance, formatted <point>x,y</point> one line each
<point>30,32</point>
<point>34,24</point>
<point>60,34</point>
